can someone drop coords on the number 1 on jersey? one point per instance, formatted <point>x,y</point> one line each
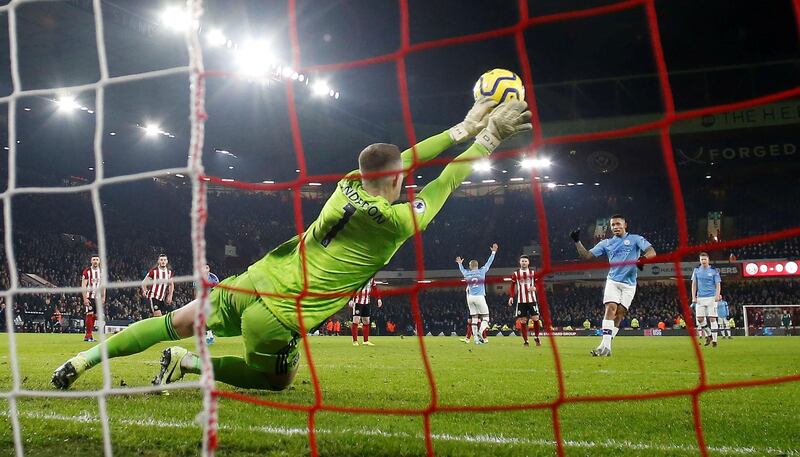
<point>349,210</point>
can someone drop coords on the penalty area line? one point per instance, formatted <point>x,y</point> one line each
<point>476,439</point>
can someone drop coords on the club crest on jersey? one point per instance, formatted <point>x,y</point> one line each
<point>419,206</point>
<point>626,242</point>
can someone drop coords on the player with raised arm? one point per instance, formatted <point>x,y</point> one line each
<point>523,289</point>
<point>157,286</point>
<point>722,317</point>
<point>361,310</point>
<point>476,295</point>
<point>706,290</point>
<point>623,247</point>
<point>90,283</point>
<point>356,234</point>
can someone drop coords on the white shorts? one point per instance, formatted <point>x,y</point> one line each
<point>619,292</point>
<point>706,306</point>
<point>477,305</point>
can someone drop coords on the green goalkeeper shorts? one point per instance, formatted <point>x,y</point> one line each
<point>269,346</point>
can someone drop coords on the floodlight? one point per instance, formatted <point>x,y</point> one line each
<point>176,19</point>
<point>482,165</point>
<point>67,103</point>
<point>215,38</point>
<point>320,88</point>
<point>254,58</point>
<point>152,130</point>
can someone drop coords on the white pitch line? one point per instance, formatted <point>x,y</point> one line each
<point>477,439</point>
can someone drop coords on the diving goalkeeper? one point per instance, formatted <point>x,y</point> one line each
<point>356,234</point>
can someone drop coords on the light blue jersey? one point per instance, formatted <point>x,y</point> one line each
<point>475,278</point>
<point>722,309</point>
<point>707,280</point>
<point>212,279</point>
<point>625,248</point>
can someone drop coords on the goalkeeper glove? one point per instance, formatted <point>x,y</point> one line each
<point>505,121</point>
<point>474,122</point>
<point>575,235</point>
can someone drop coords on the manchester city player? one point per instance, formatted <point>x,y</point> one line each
<point>476,294</point>
<point>722,315</point>
<point>623,247</point>
<point>706,290</point>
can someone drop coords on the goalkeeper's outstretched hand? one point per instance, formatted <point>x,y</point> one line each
<point>475,121</point>
<point>575,235</point>
<point>505,121</point>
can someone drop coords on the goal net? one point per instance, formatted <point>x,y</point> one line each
<point>197,77</point>
<point>65,97</point>
<point>770,320</point>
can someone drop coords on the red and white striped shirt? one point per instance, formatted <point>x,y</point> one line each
<point>363,295</point>
<point>158,290</point>
<point>522,286</point>
<point>92,277</point>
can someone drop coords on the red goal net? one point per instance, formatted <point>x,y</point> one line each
<point>198,75</point>
<point>662,125</point>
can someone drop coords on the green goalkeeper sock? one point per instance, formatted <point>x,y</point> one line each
<point>136,338</point>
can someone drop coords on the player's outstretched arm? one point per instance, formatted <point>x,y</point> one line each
<point>489,261</point>
<point>460,262</point>
<point>582,251</point>
<point>505,121</point>
<point>474,122</point>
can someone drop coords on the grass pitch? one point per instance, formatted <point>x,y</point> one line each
<point>743,421</point>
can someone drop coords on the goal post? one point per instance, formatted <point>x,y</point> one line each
<point>767,320</point>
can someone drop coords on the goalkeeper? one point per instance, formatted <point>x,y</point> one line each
<point>356,234</point>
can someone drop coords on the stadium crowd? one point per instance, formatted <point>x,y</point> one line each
<point>55,236</point>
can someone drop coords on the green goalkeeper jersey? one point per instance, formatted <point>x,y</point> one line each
<point>355,235</point>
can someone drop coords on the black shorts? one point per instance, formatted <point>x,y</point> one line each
<point>527,309</point>
<point>91,307</point>
<point>361,310</point>
<point>157,305</point>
